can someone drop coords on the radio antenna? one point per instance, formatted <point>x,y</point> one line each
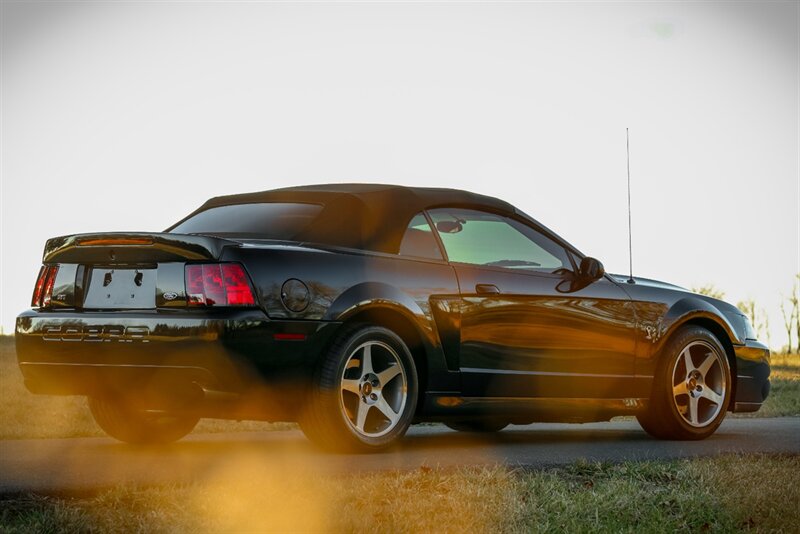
<point>630,236</point>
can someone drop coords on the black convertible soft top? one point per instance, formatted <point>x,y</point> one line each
<point>363,216</point>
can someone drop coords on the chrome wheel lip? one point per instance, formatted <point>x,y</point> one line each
<point>365,384</point>
<point>704,384</point>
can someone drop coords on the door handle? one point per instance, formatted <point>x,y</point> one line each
<point>487,289</point>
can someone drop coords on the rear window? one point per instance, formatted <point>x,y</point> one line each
<point>265,220</point>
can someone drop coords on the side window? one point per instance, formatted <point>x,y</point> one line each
<point>482,238</point>
<point>419,240</point>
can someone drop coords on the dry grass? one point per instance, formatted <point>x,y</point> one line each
<point>722,494</point>
<point>784,397</point>
<point>785,366</point>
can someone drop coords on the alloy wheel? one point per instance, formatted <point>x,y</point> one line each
<point>699,384</point>
<point>374,389</point>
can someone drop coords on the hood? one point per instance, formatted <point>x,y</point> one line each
<point>643,286</point>
<point>646,282</point>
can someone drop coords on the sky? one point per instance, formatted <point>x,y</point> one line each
<point>128,115</point>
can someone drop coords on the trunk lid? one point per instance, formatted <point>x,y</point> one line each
<point>133,247</point>
<point>130,270</point>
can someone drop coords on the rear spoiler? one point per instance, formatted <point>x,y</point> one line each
<point>133,247</point>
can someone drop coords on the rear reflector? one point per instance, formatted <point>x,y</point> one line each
<point>289,337</point>
<point>218,284</point>
<point>43,291</point>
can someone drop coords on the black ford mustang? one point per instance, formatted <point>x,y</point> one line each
<point>357,310</point>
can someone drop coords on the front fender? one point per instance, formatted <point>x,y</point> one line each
<point>690,308</point>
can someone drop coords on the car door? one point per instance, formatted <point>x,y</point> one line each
<point>530,327</point>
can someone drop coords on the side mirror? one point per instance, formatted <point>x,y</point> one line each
<point>591,269</point>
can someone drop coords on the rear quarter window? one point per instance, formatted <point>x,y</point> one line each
<point>265,220</point>
<point>418,240</point>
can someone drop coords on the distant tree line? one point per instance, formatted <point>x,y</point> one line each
<point>791,314</point>
<point>790,310</point>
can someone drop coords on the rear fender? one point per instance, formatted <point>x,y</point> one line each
<point>360,300</point>
<point>374,295</point>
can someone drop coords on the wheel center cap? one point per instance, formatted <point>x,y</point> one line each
<point>366,388</point>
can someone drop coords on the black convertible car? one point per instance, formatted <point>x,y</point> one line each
<point>357,310</point>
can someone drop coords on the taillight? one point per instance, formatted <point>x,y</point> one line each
<point>237,285</point>
<point>43,291</point>
<point>36,300</point>
<point>218,284</point>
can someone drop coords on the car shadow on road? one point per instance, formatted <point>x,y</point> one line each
<point>427,440</point>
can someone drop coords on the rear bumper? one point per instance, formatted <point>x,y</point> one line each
<point>166,356</point>
<point>752,380</point>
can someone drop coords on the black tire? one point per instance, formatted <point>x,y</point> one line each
<point>483,426</point>
<point>330,417</point>
<point>672,413</point>
<point>120,421</point>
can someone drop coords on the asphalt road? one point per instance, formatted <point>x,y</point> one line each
<point>81,464</point>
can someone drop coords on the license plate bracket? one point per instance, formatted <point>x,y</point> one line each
<point>113,288</point>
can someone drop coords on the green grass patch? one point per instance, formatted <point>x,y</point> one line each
<point>722,494</point>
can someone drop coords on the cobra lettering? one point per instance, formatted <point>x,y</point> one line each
<point>91,333</point>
